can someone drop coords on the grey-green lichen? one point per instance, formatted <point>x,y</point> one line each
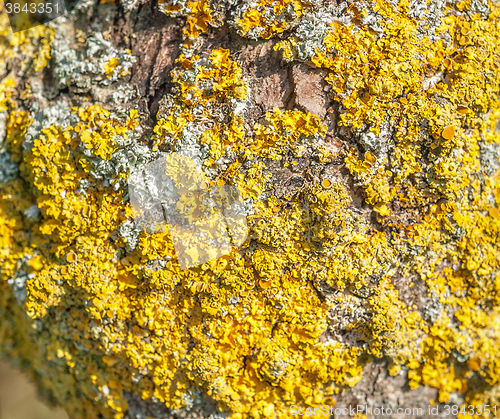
<point>337,241</point>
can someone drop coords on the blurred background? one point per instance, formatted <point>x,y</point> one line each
<point>18,398</point>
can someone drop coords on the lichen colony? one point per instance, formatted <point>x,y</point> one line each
<point>388,249</point>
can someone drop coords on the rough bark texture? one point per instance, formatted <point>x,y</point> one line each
<point>363,139</point>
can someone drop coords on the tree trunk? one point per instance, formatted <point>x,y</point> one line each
<point>253,209</point>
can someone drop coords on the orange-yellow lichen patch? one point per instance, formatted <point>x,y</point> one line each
<point>108,307</point>
<point>33,44</point>
<point>199,15</point>
<point>448,133</point>
<point>265,18</point>
<point>326,183</point>
<point>203,87</point>
<point>111,66</point>
<point>283,130</point>
<point>448,164</point>
<point>97,130</point>
<point>82,256</point>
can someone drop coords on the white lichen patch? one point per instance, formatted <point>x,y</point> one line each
<point>490,157</point>
<point>8,169</point>
<point>44,117</point>
<point>97,62</point>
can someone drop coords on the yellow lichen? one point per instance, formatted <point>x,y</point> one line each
<point>256,328</point>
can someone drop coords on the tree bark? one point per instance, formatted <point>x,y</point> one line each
<point>362,140</point>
